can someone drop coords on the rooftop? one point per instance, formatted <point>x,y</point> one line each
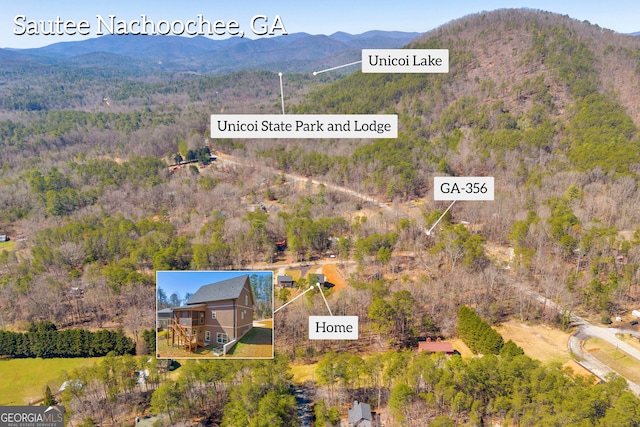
<point>219,291</point>
<point>435,346</point>
<point>360,411</point>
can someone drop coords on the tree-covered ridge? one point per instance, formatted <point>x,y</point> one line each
<point>600,133</point>
<point>375,93</point>
<point>558,105</point>
<point>54,124</point>
<point>119,247</point>
<point>53,85</point>
<point>112,253</point>
<point>61,194</point>
<point>51,88</point>
<point>207,87</point>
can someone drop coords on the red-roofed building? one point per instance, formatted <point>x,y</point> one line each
<point>437,346</point>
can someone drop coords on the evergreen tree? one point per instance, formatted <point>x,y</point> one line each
<point>49,399</point>
<point>149,336</point>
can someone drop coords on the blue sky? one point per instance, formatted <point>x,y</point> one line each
<point>181,282</point>
<point>319,17</point>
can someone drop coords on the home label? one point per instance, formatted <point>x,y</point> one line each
<point>333,327</point>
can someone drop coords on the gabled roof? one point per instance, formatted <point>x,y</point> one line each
<point>219,291</point>
<point>360,411</point>
<point>321,279</point>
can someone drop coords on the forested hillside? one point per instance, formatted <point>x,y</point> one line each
<point>543,103</point>
<point>95,196</point>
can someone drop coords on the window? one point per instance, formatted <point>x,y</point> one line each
<point>213,314</point>
<point>202,317</point>
<point>222,338</point>
<point>246,300</point>
<point>207,336</point>
<point>242,315</point>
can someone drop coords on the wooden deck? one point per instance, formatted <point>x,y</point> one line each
<point>185,337</point>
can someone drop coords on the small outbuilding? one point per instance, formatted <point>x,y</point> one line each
<point>284,281</point>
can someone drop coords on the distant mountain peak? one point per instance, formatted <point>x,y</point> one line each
<point>293,52</point>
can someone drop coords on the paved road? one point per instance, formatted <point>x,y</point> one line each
<point>587,330</point>
<point>298,264</point>
<point>610,335</point>
<point>601,370</point>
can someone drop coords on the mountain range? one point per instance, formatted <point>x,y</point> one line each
<point>298,52</point>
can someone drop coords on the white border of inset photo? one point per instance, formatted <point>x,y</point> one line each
<point>214,314</point>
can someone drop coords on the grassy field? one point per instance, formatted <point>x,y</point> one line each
<point>616,359</point>
<point>24,380</point>
<point>258,343</point>
<point>303,373</point>
<point>538,341</point>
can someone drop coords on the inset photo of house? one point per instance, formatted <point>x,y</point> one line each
<point>214,314</point>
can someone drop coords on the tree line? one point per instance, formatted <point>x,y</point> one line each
<point>45,341</point>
